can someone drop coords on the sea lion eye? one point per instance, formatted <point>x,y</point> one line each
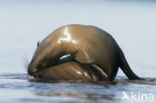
<point>42,65</point>
<point>39,66</point>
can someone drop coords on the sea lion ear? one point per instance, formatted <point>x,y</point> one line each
<point>38,43</point>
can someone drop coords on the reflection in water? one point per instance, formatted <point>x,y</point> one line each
<point>79,95</point>
<point>32,90</point>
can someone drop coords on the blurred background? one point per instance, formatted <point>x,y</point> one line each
<point>25,22</point>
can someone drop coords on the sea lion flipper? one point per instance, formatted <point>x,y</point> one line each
<point>126,68</point>
<point>102,74</point>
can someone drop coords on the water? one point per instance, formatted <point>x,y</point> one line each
<point>24,23</point>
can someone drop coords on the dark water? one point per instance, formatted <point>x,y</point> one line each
<point>25,22</point>
<point>17,88</point>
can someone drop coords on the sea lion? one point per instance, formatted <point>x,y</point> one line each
<point>88,45</point>
<point>68,69</point>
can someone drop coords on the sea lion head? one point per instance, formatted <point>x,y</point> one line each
<point>40,59</point>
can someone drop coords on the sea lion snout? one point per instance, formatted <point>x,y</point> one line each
<point>32,71</point>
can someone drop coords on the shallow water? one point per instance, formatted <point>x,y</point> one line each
<point>19,88</point>
<point>24,23</point>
